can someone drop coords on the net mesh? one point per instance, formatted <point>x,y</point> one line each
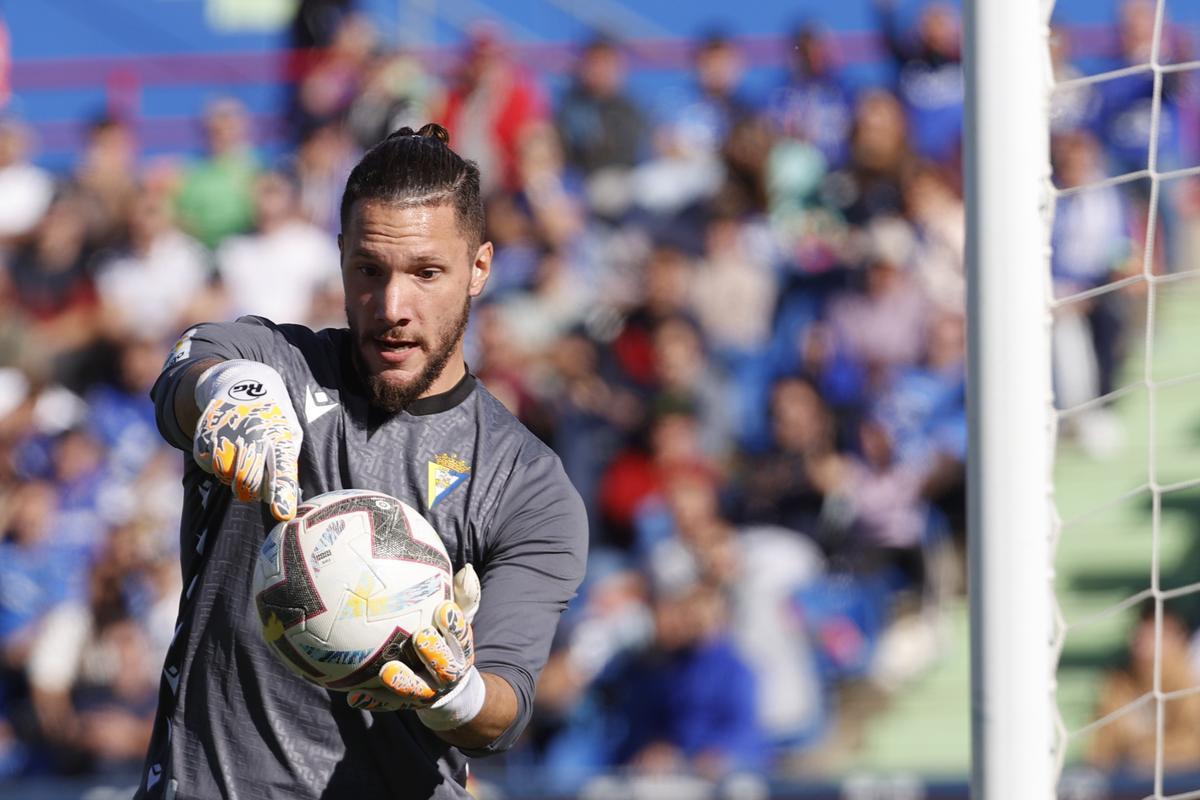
<point>1125,308</point>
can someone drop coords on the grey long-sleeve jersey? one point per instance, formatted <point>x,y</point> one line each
<point>232,721</point>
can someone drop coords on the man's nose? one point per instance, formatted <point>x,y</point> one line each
<point>393,304</point>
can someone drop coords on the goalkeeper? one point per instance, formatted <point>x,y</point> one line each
<point>279,412</point>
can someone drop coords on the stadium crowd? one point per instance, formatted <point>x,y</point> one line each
<point>738,319</point>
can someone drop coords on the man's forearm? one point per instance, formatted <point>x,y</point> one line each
<point>186,412</point>
<point>497,715</point>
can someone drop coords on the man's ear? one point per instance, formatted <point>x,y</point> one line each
<point>341,252</point>
<point>481,270</point>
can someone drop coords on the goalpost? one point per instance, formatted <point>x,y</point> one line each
<point>1007,187</point>
<point>1020,734</point>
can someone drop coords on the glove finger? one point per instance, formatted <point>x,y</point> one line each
<point>224,459</point>
<point>282,481</point>
<point>368,700</point>
<point>411,689</point>
<point>467,591</point>
<point>248,474</point>
<point>215,451</point>
<point>203,446</point>
<point>452,622</point>
<point>441,655</point>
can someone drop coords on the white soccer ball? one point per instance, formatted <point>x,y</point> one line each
<point>341,587</point>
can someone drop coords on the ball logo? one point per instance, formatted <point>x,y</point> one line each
<point>247,390</point>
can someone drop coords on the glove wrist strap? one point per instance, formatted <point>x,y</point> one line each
<point>461,705</point>
<point>240,380</point>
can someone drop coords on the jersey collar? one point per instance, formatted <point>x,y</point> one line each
<point>437,403</point>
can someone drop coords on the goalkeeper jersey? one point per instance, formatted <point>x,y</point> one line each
<point>232,721</point>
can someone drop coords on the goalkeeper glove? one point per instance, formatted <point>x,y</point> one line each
<point>451,691</point>
<point>248,436</point>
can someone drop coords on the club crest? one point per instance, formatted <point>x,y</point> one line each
<point>446,473</point>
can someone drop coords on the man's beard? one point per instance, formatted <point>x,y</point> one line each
<point>393,397</point>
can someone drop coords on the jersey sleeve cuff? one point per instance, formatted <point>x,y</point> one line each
<point>524,710</point>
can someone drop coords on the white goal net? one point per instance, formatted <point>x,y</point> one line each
<point>1084,207</point>
<point>1125,299</point>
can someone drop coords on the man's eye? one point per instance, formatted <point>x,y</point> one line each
<point>368,270</point>
<point>428,274</point>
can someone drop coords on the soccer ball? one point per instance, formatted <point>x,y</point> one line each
<point>341,587</point>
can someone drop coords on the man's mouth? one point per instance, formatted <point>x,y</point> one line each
<point>394,351</point>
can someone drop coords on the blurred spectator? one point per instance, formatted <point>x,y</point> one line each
<point>555,304</point>
<point>1136,738</point>
<point>884,495</point>
<point>936,210</point>
<point>685,375</point>
<point>734,286</point>
<point>504,365</point>
<point>806,224</point>
<point>331,83</point>
<point>93,676</point>
<point>517,249</point>
<point>593,414</point>
<point>923,406</point>
<point>491,106</point>
<point>787,485</point>
<point>1091,233</point>
<point>216,197</point>
<point>633,477</point>
<point>691,700</point>
<point>119,416</point>
<point>1127,104</point>
<point>717,102</point>
<point>665,292</point>
<point>929,78</point>
<point>880,153</point>
<point>815,104</point>
<point>396,91</point>
<point>25,190</point>
<point>37,569</point>
<point>693,124</point>
<point>575,735</point>
<point>105,178</point>
<point>599,123</point>
<point>158,282</point>
<point>745,156</point>
<point>53,282</point>
<point>275,271</point>
<point>322,164</point>
<point>550,194</point>
<point>1092,247</point>
<point>760,569</point>
<point>312,29</point>
<point>1072,107</point>
<point>1130,108</point>
<point>317,21</point>
<point>884,326</point>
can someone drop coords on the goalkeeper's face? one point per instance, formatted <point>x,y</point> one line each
<point>409,275</point>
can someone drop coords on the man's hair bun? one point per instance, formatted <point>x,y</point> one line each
<point>430,130</point>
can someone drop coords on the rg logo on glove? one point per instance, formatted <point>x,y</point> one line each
<point>247,390</point>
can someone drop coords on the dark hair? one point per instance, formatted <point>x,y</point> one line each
<point>418,168</point>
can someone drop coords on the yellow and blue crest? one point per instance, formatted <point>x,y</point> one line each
<point>446,473</point>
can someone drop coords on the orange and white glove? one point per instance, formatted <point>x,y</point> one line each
<point>248,436</point>
<point>449,692</point>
